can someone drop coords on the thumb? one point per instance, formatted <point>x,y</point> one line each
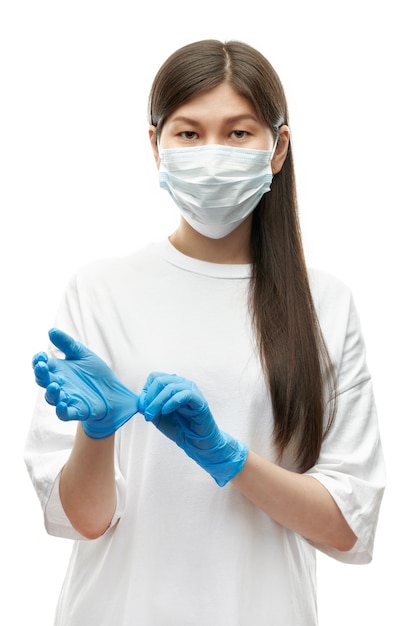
<point>70,347</point>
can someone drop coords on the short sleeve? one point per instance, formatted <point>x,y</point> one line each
<point>351,464</point>
<point>49,441</point>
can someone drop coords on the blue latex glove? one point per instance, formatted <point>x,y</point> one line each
<point>82,387</point>
<point>179,410</point>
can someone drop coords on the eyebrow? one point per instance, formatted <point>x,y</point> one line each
<point>233,119</point>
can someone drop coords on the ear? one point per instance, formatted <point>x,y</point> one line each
<point>152,137</point>
<point>281,150</point>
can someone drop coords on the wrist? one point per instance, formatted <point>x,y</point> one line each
<point>229,461</point>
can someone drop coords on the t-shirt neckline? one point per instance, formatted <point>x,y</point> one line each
<point>206,268</point>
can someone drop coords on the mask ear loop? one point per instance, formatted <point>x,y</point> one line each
<point>277,138</point>
<point>274,147</point>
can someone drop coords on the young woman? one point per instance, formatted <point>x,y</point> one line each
<point>218,340</point>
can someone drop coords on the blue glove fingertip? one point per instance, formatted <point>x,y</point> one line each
<point>61,410</point>
<point>40,367</point>
<point>39,357</point>
<point>53,334</point>
<point>69,346</point>
<point>41,372</point>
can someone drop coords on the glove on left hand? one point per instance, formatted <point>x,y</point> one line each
<point>178,409</point>
<point>82,387</point>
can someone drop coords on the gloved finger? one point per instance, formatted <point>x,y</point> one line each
<point>184,397</point>
<point>42,374</point>
<point>162,377</point>
<point>193,414</point>
<point>65,343</point>
<point>67,412</point>
<point>40,357</point>
<point>155,382</point>
<point>54,394</point>
<point>158,394</point>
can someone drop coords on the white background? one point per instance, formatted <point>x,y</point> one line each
<point>78,182</point>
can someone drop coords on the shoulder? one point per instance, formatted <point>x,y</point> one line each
<point>332,299</point>
<point>327,289</point>
<point>335,307</point>
<point>118,269</point>
<point>340,323</point>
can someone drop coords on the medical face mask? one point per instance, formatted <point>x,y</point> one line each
<point>215,187</point>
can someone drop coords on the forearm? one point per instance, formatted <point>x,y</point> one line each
<point>297,501</point>
<point>87,485</point>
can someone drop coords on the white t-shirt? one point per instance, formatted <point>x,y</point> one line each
<point>182,551</point>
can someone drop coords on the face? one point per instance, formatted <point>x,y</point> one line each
<point>219,116</point>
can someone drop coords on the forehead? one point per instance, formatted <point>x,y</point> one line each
<point>221,101</point>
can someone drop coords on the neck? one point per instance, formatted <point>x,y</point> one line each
<point>233,249</point>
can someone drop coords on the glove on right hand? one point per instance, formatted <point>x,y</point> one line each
<point>83,387</point>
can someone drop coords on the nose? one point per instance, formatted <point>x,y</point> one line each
<point>213,139</point>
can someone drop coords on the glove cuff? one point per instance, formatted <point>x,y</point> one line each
<point>230,459</point>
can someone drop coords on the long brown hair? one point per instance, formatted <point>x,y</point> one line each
<point>292,350</point>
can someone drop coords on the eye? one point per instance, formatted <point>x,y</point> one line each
<point>188,134</point>
<point>239,134</point>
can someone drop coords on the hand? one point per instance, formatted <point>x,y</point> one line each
<point>82,387</point>
<point>179,410</point>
